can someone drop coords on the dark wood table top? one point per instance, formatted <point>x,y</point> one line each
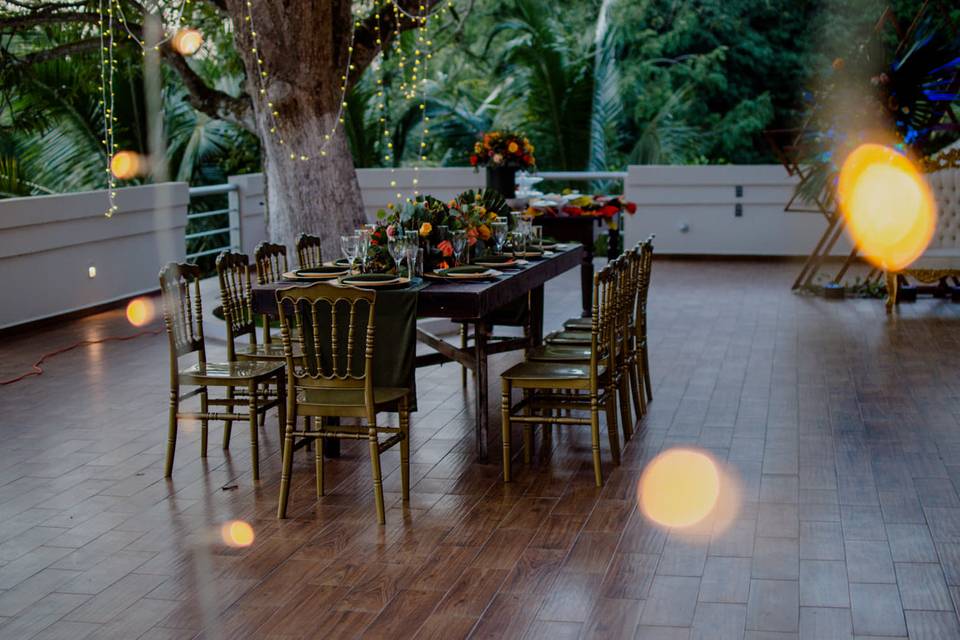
<point>463,300</point>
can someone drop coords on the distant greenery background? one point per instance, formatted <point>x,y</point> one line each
<point>596,84</point>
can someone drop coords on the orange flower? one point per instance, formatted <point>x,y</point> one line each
<point>425,229</point>
<point>484,232</point>
<point>513,147</point>
<point>445,247</point>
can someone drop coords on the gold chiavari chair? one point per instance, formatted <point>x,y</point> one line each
<point>309,254</point>
<point>549,386</point>
<point>335,379</point>
<point>643,357</point>
<point>564,344</point>
<point>271,261</point>
<point>183,315</point>
<point>233,272</point>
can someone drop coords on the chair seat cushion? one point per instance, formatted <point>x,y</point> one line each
<point>348,397</point>
<point>550,371</point>
<point>559,353</point>
<point>578,324</point>
<point>272,351</point>
<point>242,370</point>
<point>569,337</point>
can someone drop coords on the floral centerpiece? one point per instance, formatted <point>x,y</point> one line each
<point>597,206</point>
<point>434,221</point>
<point>503,153</point>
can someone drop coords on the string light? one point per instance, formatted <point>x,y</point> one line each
<point>107,101</point>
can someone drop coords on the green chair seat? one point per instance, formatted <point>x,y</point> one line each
<point>578,324</point>
<point>559,353</point>
<point>553,371</point>
<point>578,338</point>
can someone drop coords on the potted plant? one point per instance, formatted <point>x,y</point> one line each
<point>503,153</point>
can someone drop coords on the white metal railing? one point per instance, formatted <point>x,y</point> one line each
<point>581,175</point>
<point>229,228</point>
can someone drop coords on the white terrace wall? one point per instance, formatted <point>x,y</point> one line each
<point>48,244</point>
<point>692,210</point>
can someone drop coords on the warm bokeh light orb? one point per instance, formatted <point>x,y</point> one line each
<point>140,311</point>
<point>126,165</point>
<point>187,41</point>
<point>237,534</point>
<point>679,488</point>
<point>888,206</point>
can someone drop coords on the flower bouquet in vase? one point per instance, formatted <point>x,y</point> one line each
<point>503,153</point>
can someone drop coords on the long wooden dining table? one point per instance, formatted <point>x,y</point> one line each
<point>476,304</point>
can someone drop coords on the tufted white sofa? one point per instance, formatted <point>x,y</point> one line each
<point>942,257</point>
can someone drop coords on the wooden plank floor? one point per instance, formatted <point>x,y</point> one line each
<point>841,425</point>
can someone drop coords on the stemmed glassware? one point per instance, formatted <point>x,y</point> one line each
<point>397,246</point>
<point>364,236</point>
<point>411,246</point>
<point>499,229</point>
<point>459,243</point>
<point>349,246</point>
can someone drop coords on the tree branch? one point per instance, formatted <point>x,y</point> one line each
<point>70,48</point>
<point>46,16</point>
<point>365,47</point>
<point>216,104</point>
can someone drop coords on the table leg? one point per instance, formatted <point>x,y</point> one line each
<point>536,316</point>
<point>613,244</point>
<point>586,279</point>
<point>480,388</point>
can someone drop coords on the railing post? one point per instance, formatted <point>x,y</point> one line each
<point>248,204</point>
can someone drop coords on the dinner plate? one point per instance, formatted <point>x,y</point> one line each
<point>497,262</point>
<point>474,273</point>
<point>529,254</point>
<point>365,280</point>
<point>321,273</point>
<point>341,262</point>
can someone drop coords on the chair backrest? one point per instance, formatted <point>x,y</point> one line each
<point>233,272</point>
<point>308,251</point>
<point>945,185</point>
<point>337,333</point>
<point>604,316</point>
<point>271,260</point>
<point>182,310</point>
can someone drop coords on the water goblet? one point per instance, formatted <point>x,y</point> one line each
<point>459,243</point>
<point>348,245</point>
<point>499,229</point>
<point>364,237</point>
<point>397,246</point>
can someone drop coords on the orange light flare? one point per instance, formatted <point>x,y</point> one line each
<point>187,41</point>
<point>888,206</point>
<point>140,311</point>
<point>127,164</point>
<point>237,534</point>
<point>688,491</point>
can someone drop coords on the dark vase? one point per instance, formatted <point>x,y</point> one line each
<point>503,179</point>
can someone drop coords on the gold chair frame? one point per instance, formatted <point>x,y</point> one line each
<point>183,316</point>
<point>316,390</point>
<point>309,252</point>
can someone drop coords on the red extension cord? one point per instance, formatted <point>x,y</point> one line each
<point>37,369</point>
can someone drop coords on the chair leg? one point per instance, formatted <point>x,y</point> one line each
<point>318,463</point>
<point>633,373</point>
<point>252,409</point>
<point>203,423</point>
<point>377,478</point>
<point>172,430</point>
<point>612,432</point>
<point>527,432</point>
<point>307,426</point>
<point>405,451</point>
<point>228,424</point>
<point>623,393</point>
<point>595,438</point>
<point>287,470</point>
<point>281,408</point>
<point>648,385</point>
<point>505,428</point>
<point>463,345</point>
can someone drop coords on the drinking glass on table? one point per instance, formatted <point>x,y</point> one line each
<point>411,244</point>
<point>459,243</point>
<point>348,245</point>
<point>364,237</point>
<point>413,252</point>
<point>536,237</point>
<point>499,229</point>
<point>397,246</point>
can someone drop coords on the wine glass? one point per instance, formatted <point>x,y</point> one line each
<point>459,243</point>
<point>411,247</point>
<point>499,234</point>
<point>364,236</point>
<point>397,246</point>
<point>348,245</point>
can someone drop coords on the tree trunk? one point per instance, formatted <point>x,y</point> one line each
<point>320,196</point>
<point>304,46</point>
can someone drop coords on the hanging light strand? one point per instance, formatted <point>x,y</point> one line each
<point>420,67</point>
<point>273,114</point>
<point>107,100</point>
